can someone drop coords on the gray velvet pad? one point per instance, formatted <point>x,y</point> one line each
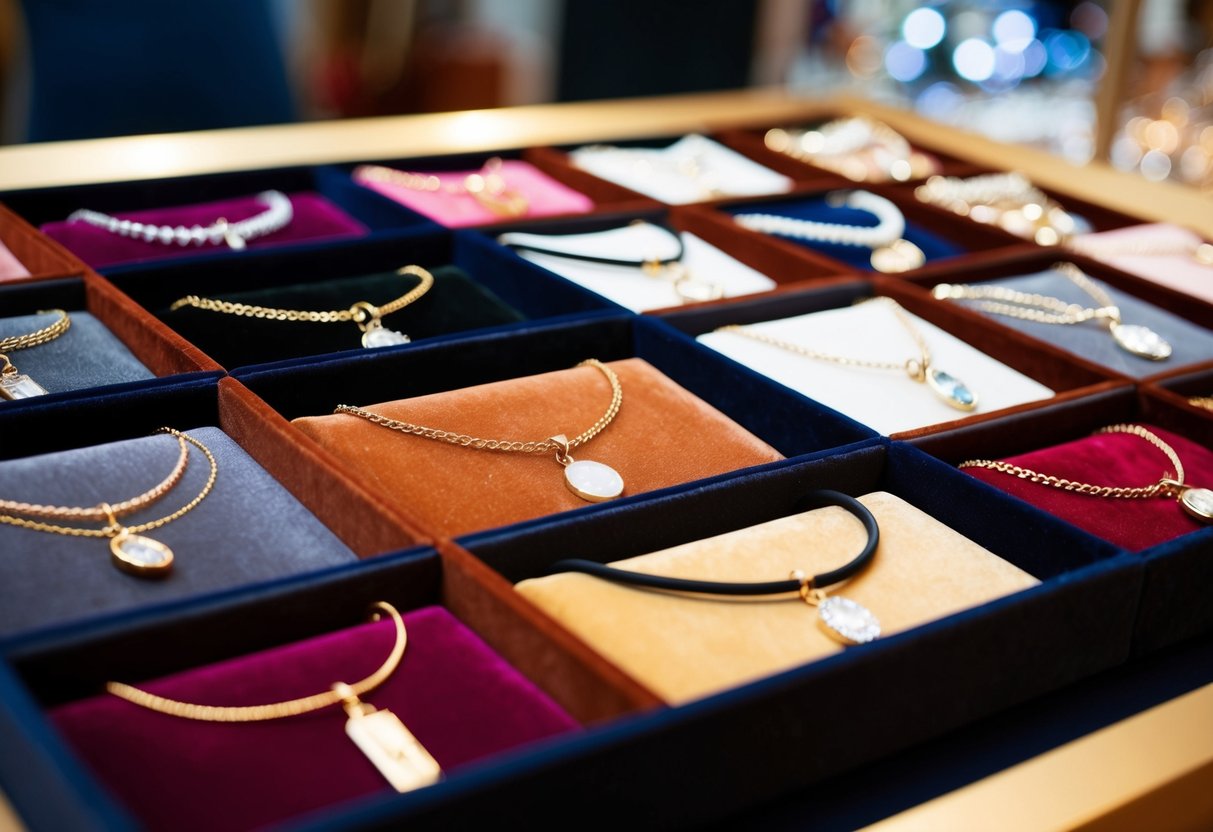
<point>249,528</point>
<point>1093,341</point>
<point>87,355</point>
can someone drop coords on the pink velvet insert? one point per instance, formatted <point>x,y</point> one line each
<point>315,218</point>
<point>459,698</point>
<point>545,196</point>
<point>10,267</point>
<point>1111,459</point>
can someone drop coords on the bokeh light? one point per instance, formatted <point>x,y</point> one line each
<point>974,60</point>
<point>904,62</point>
<point>924,28</point>
<point>1013,30</point>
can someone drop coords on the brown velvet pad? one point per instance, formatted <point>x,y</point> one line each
<point>683,647</point>
<point>662,436</point>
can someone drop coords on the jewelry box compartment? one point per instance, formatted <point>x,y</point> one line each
<point>1179,571</point>
<point>122,345</point>
<point>307,515</point>
<point>1184,322</point>
<point>37,255</point>
<point>498,290</point>
<point>755,420</point>
<point>822,720</point>
<point>939,239</point>
<point>1037,363</point>
<point>603,196</point>
<point>333,208</point>
<point>51,785</point>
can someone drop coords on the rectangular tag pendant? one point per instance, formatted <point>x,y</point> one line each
<point>392,748</point>
<point>19,386</point>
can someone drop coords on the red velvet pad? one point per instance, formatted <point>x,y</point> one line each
<point>314,218</point>
<point>1117,459</point>
<point>459,698</point>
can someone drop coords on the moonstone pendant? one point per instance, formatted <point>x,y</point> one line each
<point>847,621</point>
<point>696,291</point>
<point>897,256</point>
<point>593,481</point>
<point>1198,502</point>
<point>141,556</point>
<point>1141,341</point>
<point>19,386</point>
<point>954,392</point>
<point>380,336</point>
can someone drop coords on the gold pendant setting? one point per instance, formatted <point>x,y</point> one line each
<point>1198,502</point>
<point>16,385</point>
<point>140,556</point>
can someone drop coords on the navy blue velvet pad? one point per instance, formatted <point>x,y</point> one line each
<point>815,209</point>
<point>789,422</point>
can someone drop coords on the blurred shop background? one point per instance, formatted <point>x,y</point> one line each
<point>1128,82</point>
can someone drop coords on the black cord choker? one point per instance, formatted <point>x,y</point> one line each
<point>841,618</point>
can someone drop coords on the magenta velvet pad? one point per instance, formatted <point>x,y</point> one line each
<point>453,207</point>
<point>459,698</point>
<point>314,218</point>
<point>1116,459</point>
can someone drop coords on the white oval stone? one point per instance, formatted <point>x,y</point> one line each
<point>847,621</point>
<point>140,555</point>
<point>383,337</point>
<point>1198,502</point>
<point>593,481</point>
<point>1141,341</point>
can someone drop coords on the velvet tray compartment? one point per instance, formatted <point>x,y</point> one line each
<point>527,290</point>
<point>862,703</point>
<point>342,208</point>
<point>1185,321</point>
<point>1068,378</point>
<point>776,423</point>
<point>145,353</point>
<point>1179,571</point>
<point>563,682</point>
<point>31,252</point>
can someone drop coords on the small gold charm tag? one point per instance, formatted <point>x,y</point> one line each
<point>19,386</point>
<point>391,748</point>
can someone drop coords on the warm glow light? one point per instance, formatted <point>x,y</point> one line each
<point>974,60</point>
<point>1162,136</point>
<point>924,28</point>
<point>865,57</point>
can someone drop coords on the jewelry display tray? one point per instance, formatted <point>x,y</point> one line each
<point>853,738</point>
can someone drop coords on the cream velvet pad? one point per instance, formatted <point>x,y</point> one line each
<point>684,647</point>
<point>888,401</point>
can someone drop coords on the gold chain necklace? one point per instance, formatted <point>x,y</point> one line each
<point>1198,502</point>
<point>130,550</point>
<point>951,390</point>
<point>15,384</point>
<point>589,480</point>
<point>860,148</point>
<point>1008,200</point>
<point>366,315</point>
<point>487,186</point>
<point>379,734</point>
<point>1046,309</point>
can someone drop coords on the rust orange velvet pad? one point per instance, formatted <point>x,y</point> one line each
<point>662,436</point>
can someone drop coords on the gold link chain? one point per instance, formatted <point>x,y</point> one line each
<point>42,336</point>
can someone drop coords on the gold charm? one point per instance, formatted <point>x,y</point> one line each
<point>592,481</point>
<point>391,747</point>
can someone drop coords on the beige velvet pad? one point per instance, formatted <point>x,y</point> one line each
<point>685,647</point>
<point>662,436</point>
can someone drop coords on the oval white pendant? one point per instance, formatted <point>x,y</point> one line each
<point>1141,341</point>
<point>847,621</point>
<point>381,336</point>
<point>139,555</point>
<point>954,392</point>
<point>593,481</point>
<point>897,256</point>
<point>1198,502</point>
<point>697,291</point>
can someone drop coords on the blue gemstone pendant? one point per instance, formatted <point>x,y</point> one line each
<point>954,392</point>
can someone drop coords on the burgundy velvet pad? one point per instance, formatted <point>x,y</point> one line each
<point>1118,459</point>
<point>459,698</point>
<point>315,218</point>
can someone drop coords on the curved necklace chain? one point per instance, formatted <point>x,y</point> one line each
<point>852,147</point>
<point>366,315</point>
<point>1196,501</point>
<point>1008,200</point>
<point>577,474</point>
<point>487,186</point>
<point>130,551</point>
<point>13,383</point>
<point>1046,309</point>
<point>951,390</point>
<point>278,214</point>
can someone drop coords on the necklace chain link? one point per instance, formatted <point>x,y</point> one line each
<point>38,337</point>
<point>1029,306</point>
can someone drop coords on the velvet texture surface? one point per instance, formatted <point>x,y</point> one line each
<point>460,699</point>
<point>247,529</point>
<point>1115,459</point>
<point>454,303</point>
<point>10,267</point>
<point>315,218</point>
<point>817,209</point>
<point>87,355</point>
<point>684,647</point>
<point>1091,340</point>
<point>662,436</point>
<point>1156,251</point>
<point>455,208</point>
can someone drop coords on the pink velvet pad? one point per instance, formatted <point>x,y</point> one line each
<point>459,698</point>
<point>545,196</point>
<point>1181,272</point>
<point>10,267</point>
<point>315,218</point>
<point>1117,459</point>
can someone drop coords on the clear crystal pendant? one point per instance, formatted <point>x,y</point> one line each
<point>842,619</point>
<point>140,556</point>
<point>1140,341</point>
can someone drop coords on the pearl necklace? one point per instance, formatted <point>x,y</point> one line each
<point>891,252</point>
<point>278,215</point>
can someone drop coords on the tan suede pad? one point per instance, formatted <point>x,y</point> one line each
<point>662,436</point>
<point>683,647</point>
